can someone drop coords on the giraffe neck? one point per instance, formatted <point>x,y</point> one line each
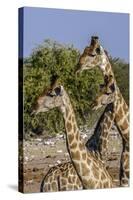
<point>76,148</point>
<point>122,116</point>
<point>105,67</point>
<point>72,130</point>
<point>120,107</point>
<point>109,78</point>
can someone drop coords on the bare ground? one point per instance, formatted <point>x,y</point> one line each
<point>40,154</point>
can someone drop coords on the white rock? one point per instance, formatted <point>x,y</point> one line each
<point>59,135</point>
<point>66,154</point>
<point>38,139</point>
<point>58,162</point>
<point>59,151</point>
<point>84,136</point>
<point>50,165</point>
<point>49,143</point>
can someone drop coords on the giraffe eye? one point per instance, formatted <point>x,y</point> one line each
<point>51,93</point>
<point>98,51</point>
<point>57,91</point>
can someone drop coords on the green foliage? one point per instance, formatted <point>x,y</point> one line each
<point>121,71</point>
<point>50,59</point>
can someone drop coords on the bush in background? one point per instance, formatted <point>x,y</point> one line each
<point>52,58</point>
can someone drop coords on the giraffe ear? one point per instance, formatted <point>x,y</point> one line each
<point>98,50</point>
<point>59,91</point>
<point>112,87</point>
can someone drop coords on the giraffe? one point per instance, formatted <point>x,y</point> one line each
<point>106,98</point>
<point>89,167</point>
<point>62,177</point>
<point>118,112</point>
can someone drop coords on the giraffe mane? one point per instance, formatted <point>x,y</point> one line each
<point>106,53</point>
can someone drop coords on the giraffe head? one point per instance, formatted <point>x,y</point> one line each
<point>106,96</point>
<point>93,55</point>
<point>50,98</point>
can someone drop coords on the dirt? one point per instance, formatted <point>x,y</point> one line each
<point>39,154</point>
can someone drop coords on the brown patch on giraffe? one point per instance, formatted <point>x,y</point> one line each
<point>125,107</point>
<point>126,136</point>
<point>84,156</point>
<point>95,167</point>
<point>77,136</point>
<point>67,112</point>
<point>126,159</point>
<point>54,186</point>
<point>75,155</point>
<point>103,176</point>
<point>70,180</point>
<point>104,143</point>
<point>63,181</point>
<point>73,145</point>
<point>78,182</point>
<point>119,114</point>
<point>109,123</point>
<point>77,179</point>
<point>71,170</point>
<point>88,161</point>
<point>106,120</point>
<point>73,178</point>
<point>127,173</point>
<point>63,188</point>
<point>89,183</point>
<point>106,184</point>
<point>69,126</point>
<point>77,167</point>
<point>95,62</point>
<point>104,125</point>
<point>110,115</point>
<point>70,138</point>
<point>70,187</point>
<point>85,170</point>
<point>81,146</point>
<point>73,118</point>
<point>124,181</point>
<point>125,125</point>
<point>120,98</point>
<point>96,173</point>
<point>74,128</point>
<point>50,179</point>
<point>104,134</point>
<point>69,118</point>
